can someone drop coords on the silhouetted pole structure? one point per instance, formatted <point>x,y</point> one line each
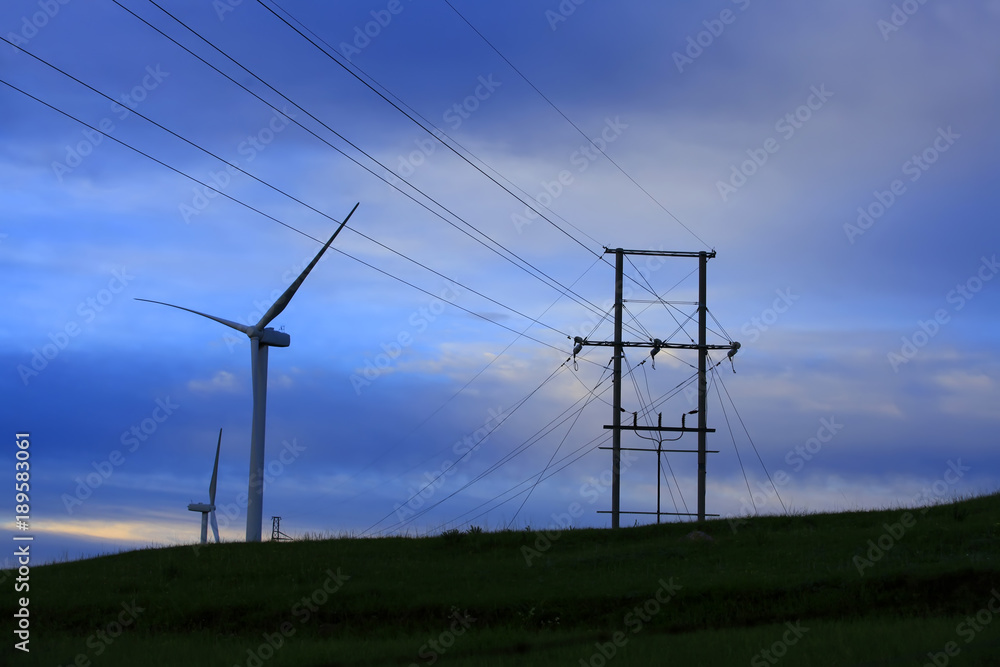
<point>275,528</point>
<point>276,534</point>
<point>616,419</point>
<point>702,381</point>
<point>619,346</point>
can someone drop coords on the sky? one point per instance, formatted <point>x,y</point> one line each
<point>838,157</point>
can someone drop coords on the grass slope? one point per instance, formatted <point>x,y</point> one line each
<point>893,587</point>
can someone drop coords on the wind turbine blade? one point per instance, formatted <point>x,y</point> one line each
<point>233,325</point>
<point>215,527</point>
<point>215,471</point>
<point>283,300</point>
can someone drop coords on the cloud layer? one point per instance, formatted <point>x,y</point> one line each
<point>839,157</point>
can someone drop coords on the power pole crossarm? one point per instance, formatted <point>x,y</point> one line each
<point>661,344</point>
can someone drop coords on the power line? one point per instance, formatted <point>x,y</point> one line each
<point>478,478</point>
<point>574,125</point>
<point>371,83</point>
<point>541,475</point>
<point>181,173</point>
<point>431,124</point>
<point>732,435</point>
<point>599,440</point>
<point>284,193</point>
<point>420,125</point>
<point>653,292</point>
<point>524,265</point>
<point>430,483</point>
<point>321,213</point>
<point>555,422</point>
<point>648,418</point>
<point>262,213</point>
<point>221,159</point>
<point>766,473</point>
<point>589,447</point>
<point>521,263</point>
<point>510,256</point>
<point>455,395</point>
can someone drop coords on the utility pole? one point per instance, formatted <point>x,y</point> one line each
<point>616,418</point>
<point>656,344</point>
<point>702,381</point>
<point>276,534</point>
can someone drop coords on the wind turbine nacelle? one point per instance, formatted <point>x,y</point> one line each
<point>275,338</point>
<point>201,507</point>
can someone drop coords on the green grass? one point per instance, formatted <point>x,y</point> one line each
<point>476,596</point>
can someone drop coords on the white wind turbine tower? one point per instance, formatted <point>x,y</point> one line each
<point>262,337</point>
<point>209,508</point>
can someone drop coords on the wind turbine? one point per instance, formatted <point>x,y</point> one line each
<point>209,508</point>
<point>262,337</point>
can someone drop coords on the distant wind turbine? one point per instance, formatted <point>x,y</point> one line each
<point>262,337</point>
<point>209,508</point>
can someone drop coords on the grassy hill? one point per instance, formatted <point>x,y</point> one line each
<point>892,587</point>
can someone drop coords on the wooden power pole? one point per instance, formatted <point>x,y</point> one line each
<point>616,418</point>
<point>619,346</point>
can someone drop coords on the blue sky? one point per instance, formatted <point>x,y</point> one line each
<point>840,158</point>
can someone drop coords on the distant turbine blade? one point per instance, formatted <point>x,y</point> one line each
<point>215,527</point>
<point>283,300</point>
<point>233,325</point>
<point>215,472</point>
